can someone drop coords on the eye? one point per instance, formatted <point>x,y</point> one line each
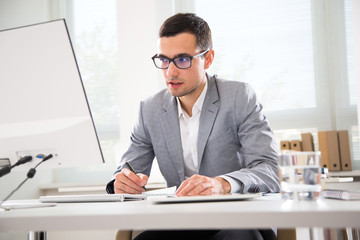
<point>182,59</point>
<point>163,60</point>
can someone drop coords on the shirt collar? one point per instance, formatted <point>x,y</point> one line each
<point>198,104</point>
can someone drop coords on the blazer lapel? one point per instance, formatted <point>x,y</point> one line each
<point>171,129</point>
<point>208,115</point>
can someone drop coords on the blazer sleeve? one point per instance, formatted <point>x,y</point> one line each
<point>258,146</point>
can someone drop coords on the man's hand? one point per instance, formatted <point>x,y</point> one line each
<point>128,182</point>
<point>202,185</point>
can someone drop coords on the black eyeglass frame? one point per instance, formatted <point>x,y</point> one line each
<point>173,59</point>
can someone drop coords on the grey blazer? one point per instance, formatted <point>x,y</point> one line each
<point>234,138</point>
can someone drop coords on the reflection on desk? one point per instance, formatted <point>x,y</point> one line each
<point>263,212</point>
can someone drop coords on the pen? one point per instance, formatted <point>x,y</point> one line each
<point>131,169</point>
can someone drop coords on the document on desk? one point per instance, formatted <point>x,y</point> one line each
<point>107,197</point>
<point>164,195</point>
<point>210,198</point>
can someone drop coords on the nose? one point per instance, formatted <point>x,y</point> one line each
<point>172,70</point>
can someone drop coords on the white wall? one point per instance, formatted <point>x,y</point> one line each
<point>139,40</point>
<point>14,13</point>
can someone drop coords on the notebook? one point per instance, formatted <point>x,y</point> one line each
<point>106,197</point>
<point>91,198</point>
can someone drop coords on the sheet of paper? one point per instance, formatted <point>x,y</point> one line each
<point>161,192</point>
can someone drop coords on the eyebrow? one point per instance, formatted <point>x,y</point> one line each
<point>176,56</point>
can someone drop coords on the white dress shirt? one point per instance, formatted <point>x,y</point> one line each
<point>189,128</point>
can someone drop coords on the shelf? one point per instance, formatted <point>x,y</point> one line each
<point>354,173</point>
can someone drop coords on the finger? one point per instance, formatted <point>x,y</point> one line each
<point>124,184</point>
<point>186,182</point>
<point>208,186</point>
<point>144,178</point>
<point>201,187</point>
<point>192,187</point>
<point>122,188</point>
<point>184,188</point>
<point>206,192</point>
<point>181,187</point>
<point>133,177</point>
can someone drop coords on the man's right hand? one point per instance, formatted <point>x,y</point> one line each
<point>128,182</point>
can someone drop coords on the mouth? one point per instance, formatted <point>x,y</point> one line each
<point>174,84</point>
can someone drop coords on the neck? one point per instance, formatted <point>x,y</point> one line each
<point>187,102</point>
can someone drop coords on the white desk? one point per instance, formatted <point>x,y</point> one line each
<point>257,213</point>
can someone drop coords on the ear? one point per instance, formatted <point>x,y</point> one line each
<point>209,58</point>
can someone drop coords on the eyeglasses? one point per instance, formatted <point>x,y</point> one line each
<point>180,62</point>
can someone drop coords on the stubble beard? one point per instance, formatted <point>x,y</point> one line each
<point>183,93</point>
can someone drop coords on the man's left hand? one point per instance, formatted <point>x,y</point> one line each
<point>203,185</point>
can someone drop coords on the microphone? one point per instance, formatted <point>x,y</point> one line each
<point>23,160</point>
<point>4,170</point>
<point>30,173</point>
<point>7,169</point>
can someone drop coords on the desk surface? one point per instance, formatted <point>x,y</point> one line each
<point>264,212</point>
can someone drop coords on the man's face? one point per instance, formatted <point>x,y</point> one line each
<point>182,82</point>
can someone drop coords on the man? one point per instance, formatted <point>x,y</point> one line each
<point>209,135</point>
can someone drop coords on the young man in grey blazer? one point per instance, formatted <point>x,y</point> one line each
<point>208,135</point>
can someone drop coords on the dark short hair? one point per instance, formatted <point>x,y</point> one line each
<point>188,23</point>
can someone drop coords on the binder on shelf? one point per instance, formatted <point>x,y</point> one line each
<point>344,147</point>
<point>285,145</point>
<point>307,141</point>
<point>295,145</point>
<point>329,148</point>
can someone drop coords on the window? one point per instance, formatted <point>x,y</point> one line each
<point>348,6</point>
<point>266,43</point>
<point>351,69</point>
<point>298,55</point>
<point>93,28</point>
